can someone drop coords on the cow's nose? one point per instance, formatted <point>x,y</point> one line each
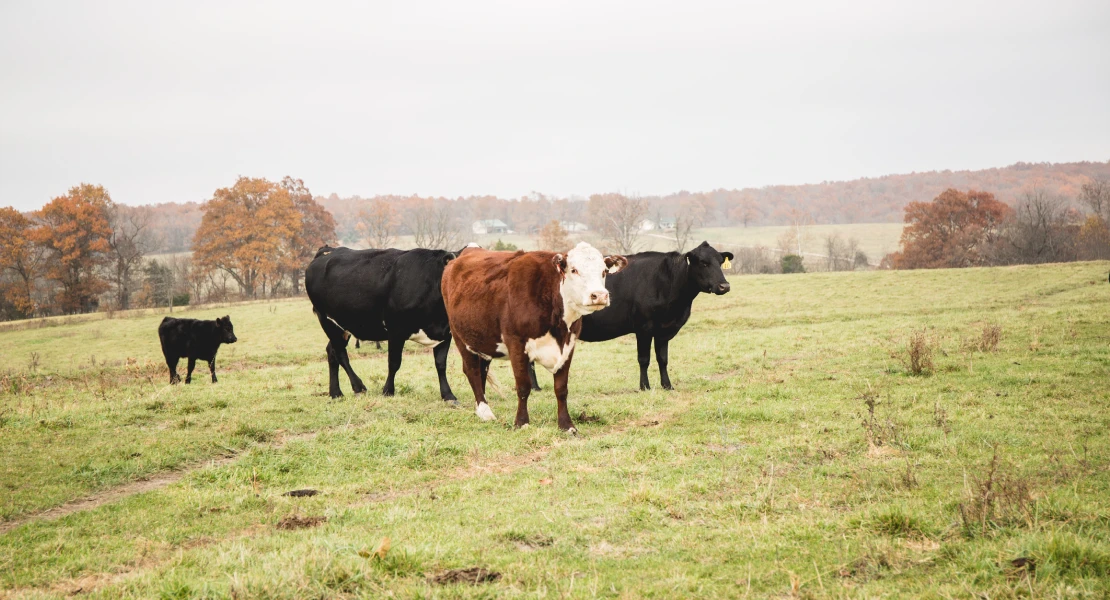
<point>723,288</point>
<point>599,297</point>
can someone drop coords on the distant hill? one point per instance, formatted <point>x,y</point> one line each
<point>866,200</point>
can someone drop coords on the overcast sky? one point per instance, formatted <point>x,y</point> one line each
<point>162,103</point>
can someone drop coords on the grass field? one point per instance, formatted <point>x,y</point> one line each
<point>797,457</point>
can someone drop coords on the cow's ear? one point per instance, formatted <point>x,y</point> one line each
<point>728,255</point>
<point>448,257</point>
<point>560,262</point>
<point>615,263</point>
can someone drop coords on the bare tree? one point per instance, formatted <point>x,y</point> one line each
<point>1095,194</point>
<point>1037,232</point>
<point>683,230</point>
<point>130,241</point>
<point>618,218</point>
<point>379,223</point>
<point>434,225</point>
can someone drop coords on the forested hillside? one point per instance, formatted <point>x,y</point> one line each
<point>867,200</point>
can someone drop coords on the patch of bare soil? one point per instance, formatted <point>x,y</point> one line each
<point>473,576</point>
<point>298,522</point>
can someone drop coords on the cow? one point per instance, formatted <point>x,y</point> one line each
<point>652,297</point>
<point>526,307</point>
<point>380,295</point>
<point>193,339</point>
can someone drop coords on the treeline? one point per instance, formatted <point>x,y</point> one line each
<point>969,229</point>
<point>83,252</point>
<point>867,200</point>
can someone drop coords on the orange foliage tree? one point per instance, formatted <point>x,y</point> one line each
<point>553,237</point>
<point>317,228</point>
<point>954,230</point>
<point>74,229</point>
<point>20,261</point>
<point>246,231</point>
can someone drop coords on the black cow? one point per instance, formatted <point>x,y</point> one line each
<point>651,298</point>
<point>193,339</point>
<point>380,295</point>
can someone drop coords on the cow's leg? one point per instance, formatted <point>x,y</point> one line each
<point>212,368</point>
<point>345,362</point>
<point>661,345</point>
<point>189,373</point>
<point>333,373</point>
<point>643,354</point>
<point>521,363</point>
<point>337,357</point>
<point>172,364</point>
<point>561,378</point>
<point>396,352</point>
<point>472,368</point>
<point>440,353</point>
<point>532,375</point>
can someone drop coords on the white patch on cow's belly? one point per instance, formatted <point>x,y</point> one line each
<point>476,353</point>
<point>502,350</point>
<point>422,338</point>
<point>484,412</point>
<point>547,352</point>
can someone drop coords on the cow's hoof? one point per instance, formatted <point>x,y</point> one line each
<point>484,412</point>
<point>452,403</point>
<point>572,432</point>
<point>336,396</point>
<point>450,398</point>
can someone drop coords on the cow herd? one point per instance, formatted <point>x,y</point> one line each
<point>525,307</point>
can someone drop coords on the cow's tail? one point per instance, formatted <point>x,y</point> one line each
<point>493,383</point>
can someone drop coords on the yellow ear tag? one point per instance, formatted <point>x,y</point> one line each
<point>727,264</point>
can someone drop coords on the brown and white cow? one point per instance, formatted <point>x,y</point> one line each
<point>523,306</point>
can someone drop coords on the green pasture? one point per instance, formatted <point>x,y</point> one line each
<point>798,456</point>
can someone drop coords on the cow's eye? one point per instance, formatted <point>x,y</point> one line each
<point>573,271</point>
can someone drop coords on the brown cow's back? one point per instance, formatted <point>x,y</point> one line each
<point>489,293</point>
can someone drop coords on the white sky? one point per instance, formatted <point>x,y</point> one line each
<point>167,103</point>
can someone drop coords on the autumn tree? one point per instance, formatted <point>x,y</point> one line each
<point>130,241</point>
<point>75,230</point>
<point>619,219</point>
<point>379,223</point>
<point>316,228</point>
<point>956,229</point>
<point>246,231</point>
<point>553,237</point>
<point>21,262</point>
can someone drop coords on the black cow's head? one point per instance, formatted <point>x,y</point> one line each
<point>705,272</point>
<point>227,331</point>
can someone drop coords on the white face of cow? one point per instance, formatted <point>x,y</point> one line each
<point>583,288</point>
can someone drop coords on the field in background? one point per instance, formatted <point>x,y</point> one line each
<point>798,455</point>
<point>876,239</point>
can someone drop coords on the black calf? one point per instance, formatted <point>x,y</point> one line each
<point>193,339</point>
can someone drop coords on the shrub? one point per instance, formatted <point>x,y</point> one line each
<point>792,263</point>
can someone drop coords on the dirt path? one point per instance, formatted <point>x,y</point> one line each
<point>500,465</point>
<point>157,481</point>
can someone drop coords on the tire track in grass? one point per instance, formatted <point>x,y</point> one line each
<point>505,464</point>
<point>147,484</point>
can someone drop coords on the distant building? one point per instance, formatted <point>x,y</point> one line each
<point>573,226</point>
<point>647,225</point>
<point>489,226</point>
<point>667,224</point>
